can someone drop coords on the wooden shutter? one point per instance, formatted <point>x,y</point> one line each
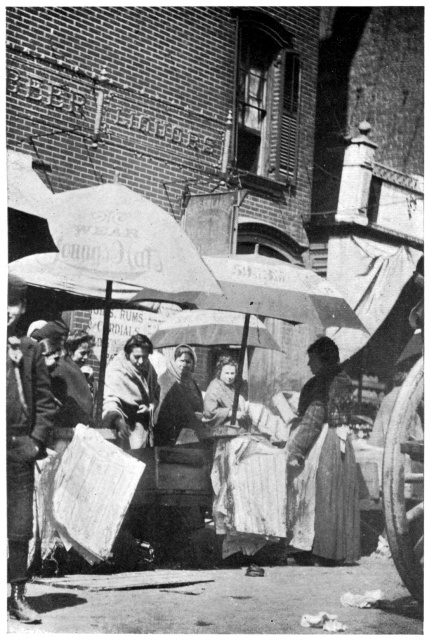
<point>288,130</point>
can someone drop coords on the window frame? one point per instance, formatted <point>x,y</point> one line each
<point>269,175</point>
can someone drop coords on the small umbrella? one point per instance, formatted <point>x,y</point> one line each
<point>111,232</point>
<point>253,284</point>
<point>210,328</point>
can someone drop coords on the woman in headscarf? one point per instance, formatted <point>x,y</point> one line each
<point>131,394</point>
<point>181,401</point>
<point>323,496</point>
<point>219,396</point>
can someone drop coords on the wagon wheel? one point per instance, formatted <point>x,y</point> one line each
<point>403,481</point>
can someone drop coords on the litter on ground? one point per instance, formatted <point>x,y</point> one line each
<point>323,620</point>
<point>368,599</point>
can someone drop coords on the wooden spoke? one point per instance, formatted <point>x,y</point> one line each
<point>415,512</point>
<point>413,478</point>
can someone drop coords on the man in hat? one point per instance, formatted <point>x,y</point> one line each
<point>30,409</point>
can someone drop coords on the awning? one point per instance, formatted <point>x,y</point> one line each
<point>25,190</point>
<point>371,276</point>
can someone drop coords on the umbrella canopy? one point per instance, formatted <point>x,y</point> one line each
<point>209,328</point>
<point>114,233</point>
<point>253,284</point>
<point>79,290</point>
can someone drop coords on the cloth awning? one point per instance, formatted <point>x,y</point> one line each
<point>25,190</point>
<point>371,276</point>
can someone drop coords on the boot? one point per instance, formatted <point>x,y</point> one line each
<point>18,606</point>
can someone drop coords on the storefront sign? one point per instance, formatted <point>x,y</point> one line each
<point>210,223</point>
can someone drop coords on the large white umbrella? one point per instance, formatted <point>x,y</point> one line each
<point>112,232</point>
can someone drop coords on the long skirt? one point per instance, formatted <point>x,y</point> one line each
<point>337,516</point>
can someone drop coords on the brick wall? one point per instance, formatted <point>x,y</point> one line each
<point>175,65</point>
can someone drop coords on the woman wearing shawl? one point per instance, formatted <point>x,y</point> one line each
<point>181,402</point>
<point>323,498</point>
<point>219,397</point>
<point>131,394</point>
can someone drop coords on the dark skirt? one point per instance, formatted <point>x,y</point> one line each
<point>337,515</point>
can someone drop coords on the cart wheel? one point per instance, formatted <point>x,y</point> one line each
<point>403,482</point>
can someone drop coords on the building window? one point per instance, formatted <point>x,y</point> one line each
<point>267,99</point>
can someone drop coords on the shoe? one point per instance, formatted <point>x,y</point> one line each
<point>255,571</point>
<point>304,559</point>
<point>18,606</point>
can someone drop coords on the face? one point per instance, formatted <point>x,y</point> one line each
<point>52,359</point>
<point>14,312</point>
<point>314,363</point>
<point>185,362</point>
<point>139,358</point>
<point>82,353</point>
<point>228,373</point>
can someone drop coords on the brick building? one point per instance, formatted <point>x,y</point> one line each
<point>367,206</point>
<point>174,102</point>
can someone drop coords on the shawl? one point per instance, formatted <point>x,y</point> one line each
<point>331,388</point>
<point>218,401</point>
<point>73,393</point>
<point>176,409</point>
<point>126,389</point>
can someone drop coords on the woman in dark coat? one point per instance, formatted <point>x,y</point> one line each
<point>181,401</point>
<point>324,412</point>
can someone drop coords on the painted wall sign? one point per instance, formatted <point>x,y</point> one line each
<point>161,129</point>
<point>124,323</point>
<point>49,94</point>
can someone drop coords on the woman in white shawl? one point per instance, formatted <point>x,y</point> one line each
<point>131,394</point>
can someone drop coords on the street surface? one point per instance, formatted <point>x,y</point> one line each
<point>233,603</point>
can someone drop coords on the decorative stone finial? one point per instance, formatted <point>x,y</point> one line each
<point>364,128</point>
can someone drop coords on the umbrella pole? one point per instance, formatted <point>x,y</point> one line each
<point>240,368</point>
<point>103,357</point>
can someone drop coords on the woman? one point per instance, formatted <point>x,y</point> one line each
<point>322,464</point>
<point>219,397</point>
<point>71,388</point>
<point>131,394</point>
<point>181,402</point>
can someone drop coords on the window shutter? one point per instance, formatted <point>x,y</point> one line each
<point>287,144</point>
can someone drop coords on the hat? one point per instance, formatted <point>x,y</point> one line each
<point>54,330</point>
<point>38,324</point>
<point>16,290</point>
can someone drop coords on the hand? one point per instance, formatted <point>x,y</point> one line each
<point>294,462</point>
<point>23,449</point>
<point>143,408</point>
<point>198,415</point>
<point>123,429</point>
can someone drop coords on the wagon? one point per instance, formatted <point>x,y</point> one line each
<point>403,481</point>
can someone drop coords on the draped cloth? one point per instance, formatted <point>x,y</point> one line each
<point>378,272</point>
<point>126,389</point>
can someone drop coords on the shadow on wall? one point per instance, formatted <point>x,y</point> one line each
<point>336,54</point>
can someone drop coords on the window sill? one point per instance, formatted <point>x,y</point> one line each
<point>259,184</point>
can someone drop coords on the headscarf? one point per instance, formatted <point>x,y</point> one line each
<point>184,378</point>
<point>181,376</point>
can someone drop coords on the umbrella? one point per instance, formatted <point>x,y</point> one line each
<point>208,328</point>
<point>111,232</point>
<point>253,284</point>
<point>78,290</point>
